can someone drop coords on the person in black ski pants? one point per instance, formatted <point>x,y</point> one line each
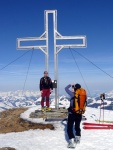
<point>73,117</point>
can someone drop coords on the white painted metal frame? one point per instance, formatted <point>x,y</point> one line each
<point>57,47</point>
<point>43,48</point>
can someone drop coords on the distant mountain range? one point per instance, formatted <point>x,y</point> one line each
<point>97,103</point>
<point>28,98</point>
<point>18,99</point>
<point>32,98</point>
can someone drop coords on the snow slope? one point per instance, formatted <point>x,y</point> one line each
<point>57,139</point>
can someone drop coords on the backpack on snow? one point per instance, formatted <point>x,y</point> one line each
<point>80,102</point>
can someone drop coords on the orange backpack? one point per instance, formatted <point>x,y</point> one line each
<point>80,101</point>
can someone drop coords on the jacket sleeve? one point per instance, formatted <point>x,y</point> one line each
<point>40,86</point>
<point>51,84</point>
<point>68,91</point>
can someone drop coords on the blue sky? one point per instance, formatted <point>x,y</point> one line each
<point>25,18</point>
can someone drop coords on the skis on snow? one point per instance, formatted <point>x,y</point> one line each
<point>91,126</point>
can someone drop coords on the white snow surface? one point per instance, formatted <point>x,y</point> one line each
<point>57,139</point>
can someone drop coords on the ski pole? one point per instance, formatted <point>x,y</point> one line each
<point>103,111</point>
<point>100,111</point>
<point>102,97</point>
<point>103,105</point>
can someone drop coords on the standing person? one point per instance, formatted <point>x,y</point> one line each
<point>46,88</point>
<point>73,117</point>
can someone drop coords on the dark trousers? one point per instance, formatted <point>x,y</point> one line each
<point>74,120</point>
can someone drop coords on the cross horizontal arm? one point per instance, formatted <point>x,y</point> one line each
<point>59,47</point>
<point>31,39</point>
<point>71,37</point>
<point>43,48</point>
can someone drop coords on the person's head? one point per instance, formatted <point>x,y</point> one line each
<point>45,73</point>
<point>77,86</point>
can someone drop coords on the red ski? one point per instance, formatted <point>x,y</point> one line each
<point>97,127</point>
<point>97,124</point>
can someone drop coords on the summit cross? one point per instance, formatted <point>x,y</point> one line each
<point>57,47</point>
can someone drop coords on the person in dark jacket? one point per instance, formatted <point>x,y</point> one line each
<point>46,88</point>
<point>73,117</point>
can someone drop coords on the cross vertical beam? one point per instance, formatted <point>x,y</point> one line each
<point>54,12</point>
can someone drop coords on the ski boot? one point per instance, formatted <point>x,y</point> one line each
<point>71,144</point>
<point>77,139</point>
<point>48,109</point>
<point>42,109</point>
